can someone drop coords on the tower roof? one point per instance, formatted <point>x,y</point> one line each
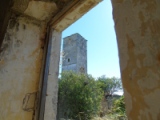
<point>74,35</point>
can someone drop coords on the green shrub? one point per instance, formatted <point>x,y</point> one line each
<point>119,105</point>
<point>79,95</point>
<point>118,110</point>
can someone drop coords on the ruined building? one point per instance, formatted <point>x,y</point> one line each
<point>75,54</point>
<point>30,39</point>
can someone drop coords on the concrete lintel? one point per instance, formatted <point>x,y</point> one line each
<point>72,13</point>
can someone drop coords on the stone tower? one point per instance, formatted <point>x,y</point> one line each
<point>75,54</point>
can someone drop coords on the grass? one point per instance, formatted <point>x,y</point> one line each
<point>103,118</point>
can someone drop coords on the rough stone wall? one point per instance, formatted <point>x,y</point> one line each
<point>81,54</point>
<point>75,54</point>
<point>20,68</point>
<point>69,60</point>
<point>137,24</point>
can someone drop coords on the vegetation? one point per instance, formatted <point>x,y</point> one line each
<point>109,85</point>
<point>119,106</point>
<point>118,111</point>
<point>80,94</point>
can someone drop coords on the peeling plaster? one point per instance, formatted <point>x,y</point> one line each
<point>144,115</point>
<point>20,67</point>
<point>153,104</point>
<point>150,81</point>
<point>41,10</point>
<point>74,14</point>
<point>22,51</point>
<point>20,5</point>
<point>137,24</point>
<point>128,102</point>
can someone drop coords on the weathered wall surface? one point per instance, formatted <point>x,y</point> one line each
<point>22,50</point>
<point>20,67</point>
<point>137,24</point>
<point>66,18</point>
<point>69,61</point>
<point>75,54</point>
<point>52,85</point>
<point>81,54</point>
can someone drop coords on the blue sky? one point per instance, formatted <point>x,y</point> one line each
<point>98,28</point>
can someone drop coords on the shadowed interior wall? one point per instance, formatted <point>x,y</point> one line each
<point>5,6</point>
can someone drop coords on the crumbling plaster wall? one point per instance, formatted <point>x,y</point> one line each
<point>137,24</point>
<point>20,68</point>
<point>21,60</point>
<point>22,51</point>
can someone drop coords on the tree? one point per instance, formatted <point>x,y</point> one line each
<point>109,86</point>
<point>79,96</point>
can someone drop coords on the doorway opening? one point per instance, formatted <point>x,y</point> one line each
<point>97,27</point>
